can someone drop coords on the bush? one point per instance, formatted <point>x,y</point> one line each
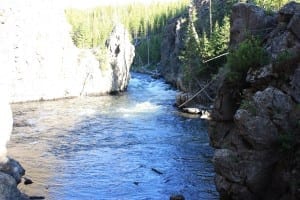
<point>248,54</point>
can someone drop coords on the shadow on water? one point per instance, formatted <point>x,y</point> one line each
<point>131,146</point>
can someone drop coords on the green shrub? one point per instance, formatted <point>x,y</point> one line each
<point>249,54</point>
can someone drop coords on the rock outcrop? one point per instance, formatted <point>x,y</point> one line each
<point>37,50</point>
<point>10,176</point>
<point>256,136</point>
<point>171,47</point>
<point>121,54</point>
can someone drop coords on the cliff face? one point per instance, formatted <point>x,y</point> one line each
<point>257,138</point>
<point>171,47</point>
<point>38,55</point>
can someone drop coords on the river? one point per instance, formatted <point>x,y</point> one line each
<point>133,146</point>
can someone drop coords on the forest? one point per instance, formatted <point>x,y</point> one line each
<point>205,39</point>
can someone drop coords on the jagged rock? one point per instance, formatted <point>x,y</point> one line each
<point>248,19</point>
<point>253,130</point>
<point>226,163</point>
<point>272,101</point>
<point>10,175</point>
<point>121,54</point>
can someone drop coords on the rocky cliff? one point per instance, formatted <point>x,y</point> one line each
<point>255,129</point>
<point>38,55</point>
<point>171,47</point>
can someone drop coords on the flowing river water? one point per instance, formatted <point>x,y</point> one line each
<point>133,146</point>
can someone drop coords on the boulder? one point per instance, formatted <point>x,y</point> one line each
<point>120,55</point>
<point>10,175</point>
<point>248,19</point>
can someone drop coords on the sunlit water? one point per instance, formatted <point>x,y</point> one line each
<point>131,146</point>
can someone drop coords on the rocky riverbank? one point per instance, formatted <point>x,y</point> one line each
<point>256,126</point>
<point>10,176</point>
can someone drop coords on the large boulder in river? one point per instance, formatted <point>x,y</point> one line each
<point>121,54</point>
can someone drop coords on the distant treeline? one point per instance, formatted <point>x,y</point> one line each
<point>91,27</point>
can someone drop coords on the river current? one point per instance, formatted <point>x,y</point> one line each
<point>134,146</point>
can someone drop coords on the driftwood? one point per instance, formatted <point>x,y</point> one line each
<point>195,95</point>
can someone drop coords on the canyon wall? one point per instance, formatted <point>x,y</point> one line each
<point>256,123</point>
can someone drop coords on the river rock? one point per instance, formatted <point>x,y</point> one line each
<point>121,54</point>
<point>10,175</point>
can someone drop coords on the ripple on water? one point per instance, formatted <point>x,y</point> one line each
<point>130,146</point>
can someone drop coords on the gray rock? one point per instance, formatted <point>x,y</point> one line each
<point>253,130</point>
<point>121,54</point>
<point>272,101</point>
<point>8,188</point>
<point>171,46</point>
<point>248,19</point>
<point>14,169</point>
<point>10,176</point>
<point>226,163</point>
